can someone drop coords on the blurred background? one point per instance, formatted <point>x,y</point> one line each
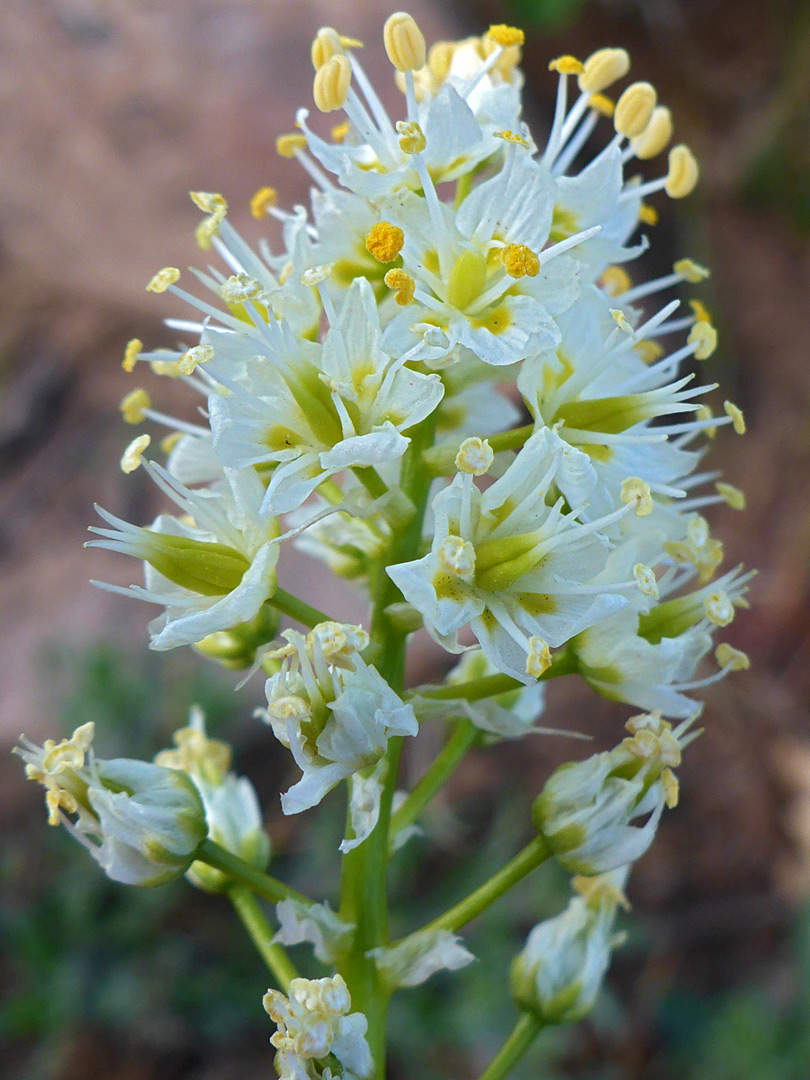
<point>109,113</point>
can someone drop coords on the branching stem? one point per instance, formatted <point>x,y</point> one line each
<point>253,920</point>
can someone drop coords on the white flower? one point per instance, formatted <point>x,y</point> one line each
<point>140,822</point>
<point>509,564</point>
<point>313,1023</point>
<point>315,923</point>
<point>419,956</point>
<point>335,720</point>
<point>231,807</point>
<point>211,569</point>
<point>559,973</point>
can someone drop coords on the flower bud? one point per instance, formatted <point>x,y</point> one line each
<point>560,970</point>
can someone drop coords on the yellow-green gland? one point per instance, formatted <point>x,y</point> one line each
<point>501,562</point>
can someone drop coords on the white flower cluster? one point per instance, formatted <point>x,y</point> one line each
<point>360,384</point>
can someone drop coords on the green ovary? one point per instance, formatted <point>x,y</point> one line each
<point>501,562</point>
<point>467,279</point>
<point>611,415</point>
<point>206,568</point>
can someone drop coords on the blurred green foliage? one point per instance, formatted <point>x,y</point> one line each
<point>546,14</point>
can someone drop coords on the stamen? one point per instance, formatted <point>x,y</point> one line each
<point>539,658</point>
<point>645,579</point>
<point>520,261</point>
<point>131,352</point>
<point>634,109</point>
<point>704,337</point>
<point>133,455</point>
<point>402,285</point>
<point>736,415</point>
<point>603,68</point>
<point>731,659</point>
<point>404,42</point>
<point>691,271</point>
<point>635,490</point>
<point>325,45</point>
<point>331,85</point>
<point>474,456</point>
<point>732,496</point>
<point>133,406</point>
<point>264,199</point>
<point>507,36</point>
<point>161,281</point>
<point>683,172</point>
<point>655,136</point>
<point>718,608</point>
<point>384,241</point>
<point>286,145</point>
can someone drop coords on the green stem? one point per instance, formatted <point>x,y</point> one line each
<point>257,926</point>
<point>243,873</point>
<point>535,852</point>
<point>464,736</point>
<point>564,663</point>
<point>441,459</point>
<point>371,480</point>
<point>296,609</point>
<point>523,1035</point>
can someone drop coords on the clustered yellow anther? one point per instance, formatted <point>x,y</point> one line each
<point>339,132</point>
<point>402,285</point>
<point>602,104</point>
<point>161,281</point>
<point>634,109</point>
<point>332,82</point>
<point>457,557</point>
<point>505,36</point>
<point>602,69</point>
<point>635,490</point>
<point>732,496</point>
<point>215,206</point>
<point>384,241</point>
<point>133,404</point>
<point>264,199</point>
<point>656,135</point>
<point>704,335</point>
<point>169,368</point>
<point>566,65</point>
<point>439,59</point>
<point>691,271</point>
<point>288,145</point>
<point>520,261</point>
<point>646,581</point>
<point>404,42</point>
<point>652,740</point>
<point>700,311</point>
<point>131,353</point>
<point>411,137</point>
<point>131,457</point>
<point>615,280</point>
<point>736,414</point>
<point>512,137</point>
<point>649,351</point>
<point>718,608</point>
<point>647,214</point>
<point>316,274</point>
<point>704,412</point>
<point>191,358</point>
<point>538,660</point>
<point>239,288</point>
<point>325,45</point>
<point>57,762</point>
<point>731,659</point>
<point>699,549</point>
<point>474,456</point>
<point>683,172</point>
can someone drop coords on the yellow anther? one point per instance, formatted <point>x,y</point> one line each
<point>719,609</point>
<point>615,280</point>
<point>506,35</point>
<point>288,145</point>
<point>669,782</point>
<point>602,104</point>
<point>411,137</point>
<point>163,279</point>
<point>634,109</point>
<point>649,351</point>
<point>339,132</point>
<point>457,557</point>
<point>350,42</point>
<point>539,659</point>
<point>647,214</point>
<point>404,42</point>
<point>683,172</point>
<point>691,271</point>
<point>264,199</point>
<point>705,413</point>
<point>635,490</point>
<point>474,456</point>
<point>332,83</point>
<point>168,443</point>
<point>325,45</point>
<point>645,579</point>
<point>731,495</point>
<point>131,457</point>
<point>736,414</point>
<point>566,65</point>
<point>603,68</point>
<point>133,404</point>
<point>596,890</point>
<point>731,659</point>
<point>197,354</point>
<point>165,367</point>
<point>699,311</point>
<point>384,241</point>
<point>439,59</point>
<point>316,274</point>
<point>520,261</point>
<point>512,137</point>
<point>704,336</point>
<point>285,272</point>
<point>210,202</point>
<point>240,287</point>
<point>402,285</point>
<point>622,322</point>
<point>131,353</point>
<point>656,135</point>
